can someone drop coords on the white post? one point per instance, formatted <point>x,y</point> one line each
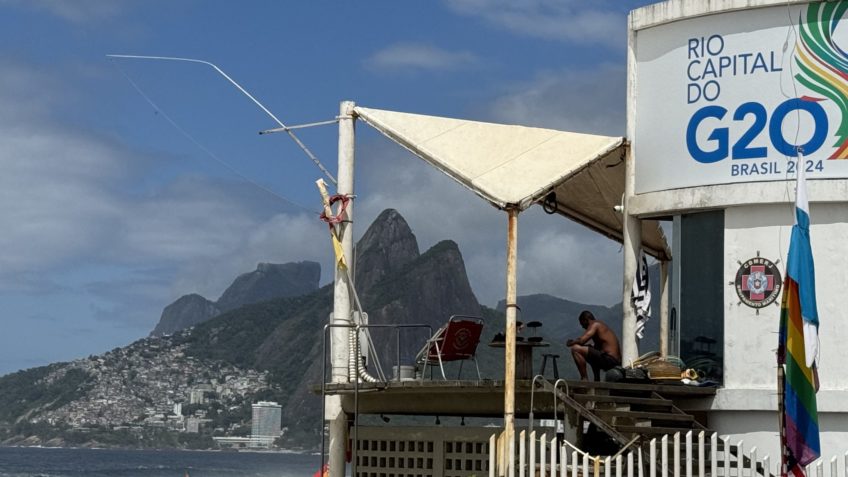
<point>652,459</point>
<point>664,450</point>
<point>618,466</point>
<point>767,466</point>
<point>631,231</point>
<point>521,453</point>
<point>820,468</point>
<point>543,457</point>
<point>632,242</point>
<point>341,297</point>
<point>664,292</point>
<point>714,454</point>
<point>833,468</point>
<point>845,469</point>
<point>563,461</point>
<point>492,455</point>
<point>689,454</point>
<point>630,464</point>
<point>532,453</point>
<point>608,467</point>
<point>740,461</point>
<point>554,457</point>
<point>676,454</point>
<point>702,471</point>
<point>726,453</point>
<point>754,461</point>
<point>511,451</point>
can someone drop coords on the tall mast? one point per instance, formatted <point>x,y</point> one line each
<point>341,294</point>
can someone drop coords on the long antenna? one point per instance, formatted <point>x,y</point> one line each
<point>244,91</point>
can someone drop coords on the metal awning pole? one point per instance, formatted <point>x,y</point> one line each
<point>509,349</point>
<point>341,296</point>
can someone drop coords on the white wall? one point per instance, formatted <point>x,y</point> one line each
<point>760,429</point>
<point>747,404</point>
<point>751,339</point>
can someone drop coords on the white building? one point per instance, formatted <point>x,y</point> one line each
<point>266,423</point>
<point>720,95</point>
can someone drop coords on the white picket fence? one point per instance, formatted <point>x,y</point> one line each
<point>691,456</point>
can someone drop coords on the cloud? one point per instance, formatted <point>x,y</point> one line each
<point>592,100</point>
<point>72,210</point>
<point>563,20</point>
<point>279,239</point>
<point>419,57</point>
<point>76,11</point>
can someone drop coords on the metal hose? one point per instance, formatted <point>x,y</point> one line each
<point>353,340</point>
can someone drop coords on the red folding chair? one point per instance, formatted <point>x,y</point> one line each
<point>456,341</point>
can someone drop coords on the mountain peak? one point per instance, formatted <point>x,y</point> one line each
<point>269,281</point>
<point>186,311</point>
<point>386,247</point>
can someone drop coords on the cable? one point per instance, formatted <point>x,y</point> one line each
<point>256,101</point>
<point>203,148</point>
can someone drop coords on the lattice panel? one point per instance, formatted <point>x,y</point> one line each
<point>395,458</point>
<point>464,459</point>
<point>422,452</point>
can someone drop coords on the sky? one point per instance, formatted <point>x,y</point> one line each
<point>128,183</point>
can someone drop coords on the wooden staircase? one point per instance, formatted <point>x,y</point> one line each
<point>634,414</point>
<point>626,412</point>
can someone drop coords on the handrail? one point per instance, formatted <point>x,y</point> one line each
<point>592,417</point>
<point>532,392</point>
<point>556,385</point>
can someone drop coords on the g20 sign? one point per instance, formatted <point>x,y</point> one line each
<point>740,104</point>
<point>740,147</point>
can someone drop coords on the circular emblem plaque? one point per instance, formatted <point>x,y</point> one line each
<point>758,282</point>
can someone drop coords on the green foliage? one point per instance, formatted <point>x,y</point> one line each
<point>235,337</point>
<point>28,390</point>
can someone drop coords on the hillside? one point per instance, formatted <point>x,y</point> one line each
<point>275,343</point>
<point>205,377</point>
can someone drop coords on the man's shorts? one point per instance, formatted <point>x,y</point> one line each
<point>600,359</point>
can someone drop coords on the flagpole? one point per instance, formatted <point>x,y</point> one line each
<point>780,416</point>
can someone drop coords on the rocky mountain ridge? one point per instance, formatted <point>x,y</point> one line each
<point>267,282</point>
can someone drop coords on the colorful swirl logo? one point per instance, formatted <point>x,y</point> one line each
<point>824,65</point>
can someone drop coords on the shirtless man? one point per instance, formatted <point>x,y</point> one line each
<point>605,352</point>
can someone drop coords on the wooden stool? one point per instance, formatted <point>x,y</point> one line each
<point>553,360</point>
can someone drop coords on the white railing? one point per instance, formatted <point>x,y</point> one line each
<point>689,455</point>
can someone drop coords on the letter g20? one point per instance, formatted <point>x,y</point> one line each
<point>741,146</point>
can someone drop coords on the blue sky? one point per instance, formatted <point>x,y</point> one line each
<point>109,212</point>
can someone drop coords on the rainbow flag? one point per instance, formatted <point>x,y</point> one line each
<point>798,348</point>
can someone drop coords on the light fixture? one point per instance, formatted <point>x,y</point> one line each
<point>385,418</point>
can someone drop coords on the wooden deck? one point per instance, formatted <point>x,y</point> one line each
<point>484,398</point>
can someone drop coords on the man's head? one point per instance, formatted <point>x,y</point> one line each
<point>586,318</point>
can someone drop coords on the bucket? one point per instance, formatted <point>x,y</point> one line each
<point>407,373</point>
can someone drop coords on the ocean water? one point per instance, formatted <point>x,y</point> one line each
<point>41,462</point>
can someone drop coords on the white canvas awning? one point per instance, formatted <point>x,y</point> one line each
<point>513,167</point>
